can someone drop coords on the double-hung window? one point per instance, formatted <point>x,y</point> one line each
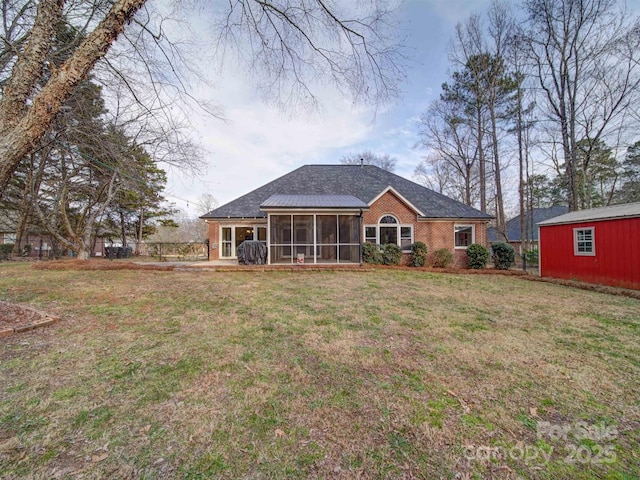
<point>464,235</point>
<point>584,242</point>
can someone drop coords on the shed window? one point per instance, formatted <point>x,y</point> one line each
<point>584,242</point>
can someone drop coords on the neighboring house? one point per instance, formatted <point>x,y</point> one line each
<point>7,230</point>
<point>531,227</point>
<point>596,246</point>
<point>323,213</point>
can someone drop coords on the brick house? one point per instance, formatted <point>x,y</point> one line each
<point>323,213</point>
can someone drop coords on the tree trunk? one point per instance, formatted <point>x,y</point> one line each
<point>19,131</point>
<point>500,220</point>
<point>481,164</point>
<point>140,224</point>
<point>521,169</point>
<point>123,230</point>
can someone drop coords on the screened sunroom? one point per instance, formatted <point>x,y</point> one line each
<point>314,228</point>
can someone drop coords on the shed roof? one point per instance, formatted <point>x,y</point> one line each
<point>364,182</point>
<point>597,214</point>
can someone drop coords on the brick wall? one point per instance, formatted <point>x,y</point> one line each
<point>436,234</point>
<point>214,240</point>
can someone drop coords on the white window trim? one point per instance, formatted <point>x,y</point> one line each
<point>592,253</point>
<point>10,237</point>
<point>473,235</point>
<point>398,226</point>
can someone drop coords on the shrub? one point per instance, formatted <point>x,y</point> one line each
<point>418,254</point>
<point>531,257</point>
<point>391,254</point>
<point>371,253</point>
<point>477,256</point>
<point>5,250</point>
<point>442,258</point>
<point>503,255</point>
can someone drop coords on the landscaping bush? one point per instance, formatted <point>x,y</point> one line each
<point>503,255</point>
<point>5,250</point>
<point>418,254</point>
<point>531,257</point>
<point>371,253</point>
<point>391,254</point>
<point>477,256</point>
<point>442,258</point>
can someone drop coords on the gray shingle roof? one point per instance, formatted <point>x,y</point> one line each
<point>539,215</point>
<point>604,213</point>
<point>363,182</point>
<point>313,201</point>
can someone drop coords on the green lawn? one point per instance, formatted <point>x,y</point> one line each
<point>379,374</point>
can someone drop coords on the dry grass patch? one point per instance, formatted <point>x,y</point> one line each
<point>386,374</point>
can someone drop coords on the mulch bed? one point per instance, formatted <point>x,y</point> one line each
<point>98,265</point>
<point>16,318</point>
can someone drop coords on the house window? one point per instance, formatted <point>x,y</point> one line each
<point>10,237</point>
<point>464,235</point>
<point>389,230</point>
<point>371,234</point>
<point>226,241</point>
<point>584,242</point>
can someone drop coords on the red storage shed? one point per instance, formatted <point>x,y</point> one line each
<point>601,245</point>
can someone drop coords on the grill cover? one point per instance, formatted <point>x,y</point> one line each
<point>252,252</point>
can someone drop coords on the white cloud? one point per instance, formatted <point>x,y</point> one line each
<point>257,144</point>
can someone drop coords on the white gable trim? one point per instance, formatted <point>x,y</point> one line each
<point>397,194</point>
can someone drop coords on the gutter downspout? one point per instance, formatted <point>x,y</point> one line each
<point>360,237</point>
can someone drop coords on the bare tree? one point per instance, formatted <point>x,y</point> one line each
<point>445,131</point>
<point>367,157</point>
<point>205,203</point>
<point>586,54</point>
<point>26,111</point>
<point>436,173</point>
<point>288,42</point>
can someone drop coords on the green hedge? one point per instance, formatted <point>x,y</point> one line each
<point>389,254</point>
<point>5,251</point>
<point>531,256</point>
<point>477,256</point>
<point>371,254</point>
<point>503,255</point>
<point>442,258</point>
<point>418,254</point>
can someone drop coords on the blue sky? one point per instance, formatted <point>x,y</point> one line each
<point>257,143</point>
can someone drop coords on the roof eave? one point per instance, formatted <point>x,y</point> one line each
<point>588,220</point>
